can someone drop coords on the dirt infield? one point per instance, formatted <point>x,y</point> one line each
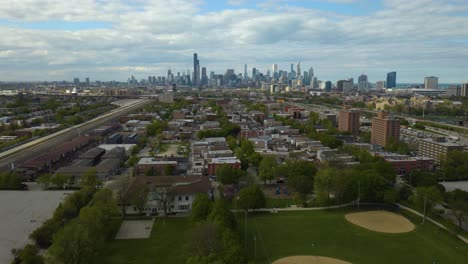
<point>381,221</point>
<point>309,260</point>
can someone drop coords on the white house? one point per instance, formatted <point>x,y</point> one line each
<point>169,194</point>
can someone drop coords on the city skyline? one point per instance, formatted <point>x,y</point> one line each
<point>109,40</point>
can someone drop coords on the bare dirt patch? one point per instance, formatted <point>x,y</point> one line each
<point>381,221</point>
<point>309,260</point>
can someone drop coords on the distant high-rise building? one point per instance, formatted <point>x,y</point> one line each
<point>87,80</point>
<point>274,68</point>
<point>384,129</point>
<point>339,85</point>
<point>348,86</point>
<point>349,120</point>
<point>245,72</point>
<point>454,91</point>
<point>298,70</point>
<point>431,82</point>
<point>328,86</point>
<point>196,70</point>
<point>204,76</point>
<point>464,90</point>
<point>76,81</point>
<point>391,80</point>
<point>363,83</point>
<point>380,85</point>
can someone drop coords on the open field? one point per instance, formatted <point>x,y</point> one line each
<point>309,260</point>
<point>300,233</point>
<point>21,213</point>
<point>381,221</point>
<point>327,233</point>
<point>166,245</point>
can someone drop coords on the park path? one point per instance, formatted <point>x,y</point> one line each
<point>296,208</point>
<point>431,220</point>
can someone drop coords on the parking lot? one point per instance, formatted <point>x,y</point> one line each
<point>21,213</point>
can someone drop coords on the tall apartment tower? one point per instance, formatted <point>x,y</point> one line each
<point>274,68</point>
<point>349,120</point>
<point>384,129</point>
<point>464,90</point>
<point>431,82</point>
<point>245,72</point>
<point>391,80</point>
<point>196,70</point>
<point>204,77</point>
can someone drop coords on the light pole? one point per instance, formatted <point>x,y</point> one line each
<point>425,198</point>
<point>245,230</point>
<point>359,194</point>
<point>255,247</point>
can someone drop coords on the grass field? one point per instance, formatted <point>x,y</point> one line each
<point>327,233</point>
<point>324,233</point>
<point>165,245</point>
<point>278,203</point>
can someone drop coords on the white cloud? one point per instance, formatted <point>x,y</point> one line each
<point>147,37</point>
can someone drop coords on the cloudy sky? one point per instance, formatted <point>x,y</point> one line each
<point>113,39</point>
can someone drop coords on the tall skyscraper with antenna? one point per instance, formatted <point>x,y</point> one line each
<point>196,70</point>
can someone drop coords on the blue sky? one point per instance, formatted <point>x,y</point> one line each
<point>113,39</point>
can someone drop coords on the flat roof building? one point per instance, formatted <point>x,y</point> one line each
<point>384,129</point>
<point>437,148</point>
<point>349,121</point>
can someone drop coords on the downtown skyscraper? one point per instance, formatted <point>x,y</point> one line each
<point>196,70</point>
<point>391,80</point>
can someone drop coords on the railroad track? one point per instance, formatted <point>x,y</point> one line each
<point>30,149</point>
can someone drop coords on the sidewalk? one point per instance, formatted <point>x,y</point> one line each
<point>431,220</point>
<point>295,208</point>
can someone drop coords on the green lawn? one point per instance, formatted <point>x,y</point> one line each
<point>166,245</point>
<point>278,203</point>
<point>324,233</point>
<point>327,233</point>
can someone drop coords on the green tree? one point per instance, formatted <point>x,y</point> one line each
<point>10,181</point>
<point>228,175</point>
<point>168,170</point>
<point>251,197</point>
<point>455,166</point>
<point>45,180</point>
<point>425,198</point>
<point>458,201</point>
<point>232,142</point>
<point>255,159</point>
<point>132,161</point>
<point>301,176</point>
<point>201,207</point>
<point>267,168</point>
<point>222,215</point>
<point>27,255</point>
<point>89,178</point>
<point>139,197</point>
<point>72,245</point>
<point>60,180</point>
<point>323,184</point>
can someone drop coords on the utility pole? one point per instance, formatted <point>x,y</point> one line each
<point>245,229</point>
<point>359,194</point>
<point>425,199</point>
<point>255,247</point>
